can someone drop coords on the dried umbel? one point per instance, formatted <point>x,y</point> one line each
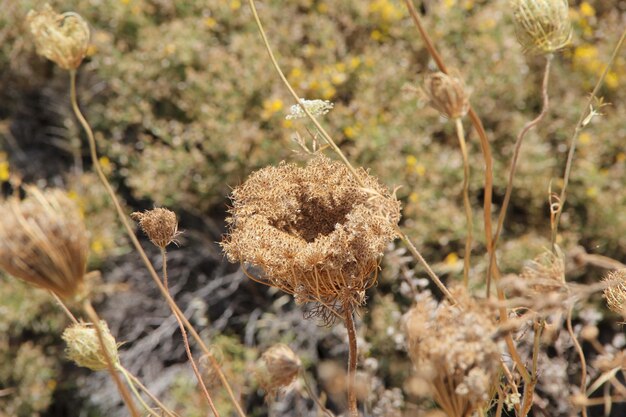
<point>314,231</point>
<point>546,273</point>
<point>542,26</point>
<point>454,351</point>
<point>84,348</point>
<point>447,94</point>
<point>615,292</point>
<point>43,241</point>
<point>62,38</point>
<point>159,224</point>
<point>278,368</point>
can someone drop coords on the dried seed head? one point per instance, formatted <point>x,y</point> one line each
<point>315,107</point>
<point>546,273</point>
<point>542,26</point>
<point>43,241</point>
<point>447,94</point>
<point>454,351</point>
<point>313,231</point>
<point>62,38</point>
<point>207,368</point>
<point>84,349</point>
<point>278,368</point>
<point>159,224</point>
<point>615,292</point>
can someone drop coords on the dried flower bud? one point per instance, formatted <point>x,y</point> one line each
<point>447,94</point>
<point>84,349</point>
<point>159,224</point>
<point>546,273</point>
<point>542,26</point>
<point>43,241</point>
<point>615,292</point>
<point>278,368</point>
<point>62,38</point>
<point>315,107</point>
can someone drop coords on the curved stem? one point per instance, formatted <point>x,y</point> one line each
<point>134,390</point>
<point>142,254</point>
<point>581,355</point>
<point>137,382</point>
<point>334,146</point>
<point>352,359</point>
<point>513,169</point>
<point>65,309</point>
<point>128,401</point>
<point>186,343</point>
<point>313,396</point>
<point>466,202</point>
<point>579,127</point>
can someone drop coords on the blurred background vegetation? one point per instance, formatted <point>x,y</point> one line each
<point>186,104</point>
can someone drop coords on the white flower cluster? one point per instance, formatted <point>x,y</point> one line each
<point>315,107</point>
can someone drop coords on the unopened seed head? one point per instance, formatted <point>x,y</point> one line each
<point>43,241</point>
<point>315,107</point>
<point>278,368</point>
<point>615,292</point>
<point>84,348</point>
<point>62,38</point>
<point>542,26</point>
<point>447,94</point>
<point>159,224</point>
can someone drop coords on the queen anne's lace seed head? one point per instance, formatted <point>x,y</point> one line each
<point>62,38</point>
<point>542,26</point>
<point>447,94</point>
<point>615,292</point>
<point>84,348</point>
<point>278,368</point>
<point>315,107</point>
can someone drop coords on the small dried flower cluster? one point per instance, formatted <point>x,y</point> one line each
<point>314,231</point>
<point>546,273</point>
<point>454,351</point>
<point>62,38</point>
<point>542,26</point>
<point>447,94</point>
<point>315,107</point>
<point>615,292</point>
<point>43,241</point>
<point>278,368</point>
<point>84,348</point>
<point>159,224</point>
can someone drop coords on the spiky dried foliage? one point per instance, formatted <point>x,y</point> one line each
<point>542,26</point>
<point>62,38</point>
<point>278,368</point>
<point>159,224</point>
<point>615,292</point>
<point>43,241</point>
<point>447,94</point>
<point>313,231</point>
<point>546,273</point>
<point>454,351</point>
<point>84,349</point>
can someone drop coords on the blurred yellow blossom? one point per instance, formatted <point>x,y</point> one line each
<point>451,259</point>
<point>587,9</point>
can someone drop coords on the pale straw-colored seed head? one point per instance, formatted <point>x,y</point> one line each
<point>43,241</point>
<point>278,368</point>
<point>542,26</point>
<point>545,273</point>
<point>615,292</point>
<point>159,224</point>
<point>447,94</point>
<point>315,107</point>
<point>314,232</point>
<point>62,38</point>
<point>84,349</point>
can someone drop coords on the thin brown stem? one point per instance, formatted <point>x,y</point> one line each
<point>196,371</point>
<point>142,254</point>
<point>128,401</point>
<point>466,202</point>
<point>65,309</point>
<point>579,127</point>
<point>137,382</point>
<point>581,355</point>
<point>313,396</point>
<point>352,359</point>
<point>513,168</point>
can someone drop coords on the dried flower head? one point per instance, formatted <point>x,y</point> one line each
<point>43,241</point>
<point>278,368</point>
<point>313,231</point>
<point>542,26</point>
<point>84,349</point>
<point>315,107</point>
<point>159,224</point>
<point>447,94</point>
<point>454,351</point>
<point>545,273</point>
<point>62,38</point>
<point>615,292</point>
